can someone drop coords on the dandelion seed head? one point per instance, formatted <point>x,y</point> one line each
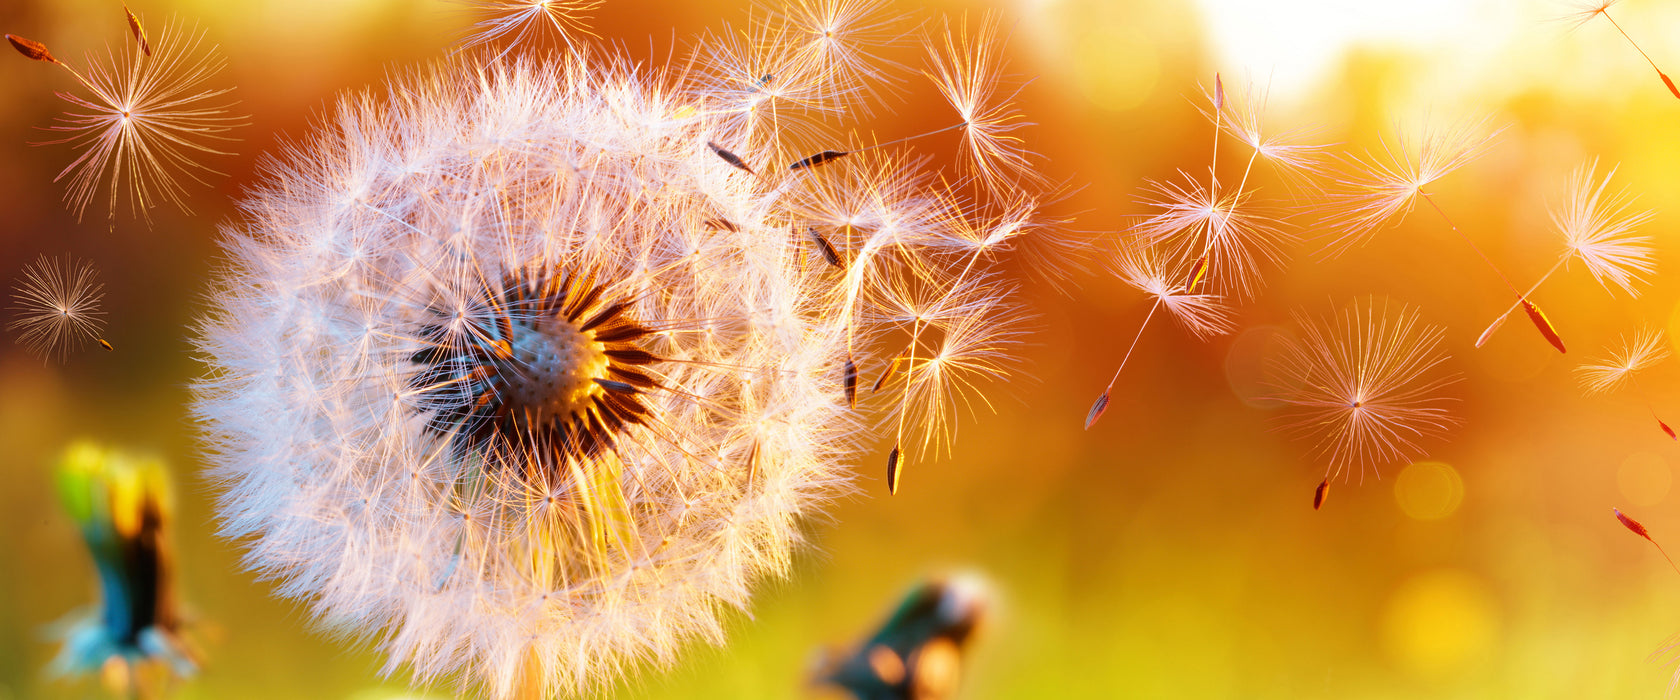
<point>1365,387</point>
<point>56,307</point>
<point>1598,228</point>
<point>514,376</point>
<point>1636,352</point>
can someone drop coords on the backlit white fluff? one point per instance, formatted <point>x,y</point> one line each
<point>382,300</point>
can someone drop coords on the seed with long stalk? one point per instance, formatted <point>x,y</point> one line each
<point>1640,351</point>
<point>145,122</point>
<point>1635,527</point>
<point>1598,231</point>
<point>1385,189</point>
<point>1145,269</point>
<point>1221,229</point>
<point>1585,12</point>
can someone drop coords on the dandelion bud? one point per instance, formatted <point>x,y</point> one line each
<point>122,507</point>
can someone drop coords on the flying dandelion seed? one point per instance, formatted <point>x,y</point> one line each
<point>146,121</point>
<point>964,68</point>
<point>1363,387</point>
<point>1387,188</point>
<point>515,22</point>
<point>1147,270</point>
<point>1585,12</point>
<point>1236,237</point>
<point>1640,351</point>
<point>56,307</point>
<point>518,376</point>
<point>1636,353</point>
<point>1240,115</point>
<point>1383,189</point>
<point>1597,230</point>
<point>1635,527</point>
<point>138,30</point>
<point>841,40</point>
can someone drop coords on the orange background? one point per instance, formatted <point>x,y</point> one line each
<point>1169,552</point>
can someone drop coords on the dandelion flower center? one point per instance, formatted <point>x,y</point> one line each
<point>554,366</point>
<point>539,372</point>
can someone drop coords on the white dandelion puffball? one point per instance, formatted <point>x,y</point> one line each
<point>524,372</point>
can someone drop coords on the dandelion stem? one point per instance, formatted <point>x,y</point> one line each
<point>1218,111</point>
<point>1133,346</point>
<point>911,137</point>
<point>1531,290</point>
<point>1635,44</point>
<point>1472,244</point>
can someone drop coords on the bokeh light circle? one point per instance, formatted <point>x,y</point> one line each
<point>1644,478</point>
<point>1438,622</point>
<point>1428,490</point>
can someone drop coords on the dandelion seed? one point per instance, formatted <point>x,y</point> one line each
<point>539,400</point>
<point>139,32</point>
<point>56,307</point>
<point>1097,410</point>
<point>1384,189</point>
<point>851,381</point>
<point>1544,325</point>
<point>145,123</point>
<point>839,39</point>
<point>1145,269</point>
<point>1363,387</point>
<point>1585,12</point>
<point>1241,118</point>
<point>1636,528</point>
<point>1320,493</point>
<point>1598,231</point>
<point>105,344</point>
<point>829,254</point>
<point>966,72</point>
<point>730,158</point>
<point>515,22</point>
<point>1235,235</point>
<point>892,471</point>
<point>812,161</point>
<point>33,50</point>
<point>1638,352</point>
